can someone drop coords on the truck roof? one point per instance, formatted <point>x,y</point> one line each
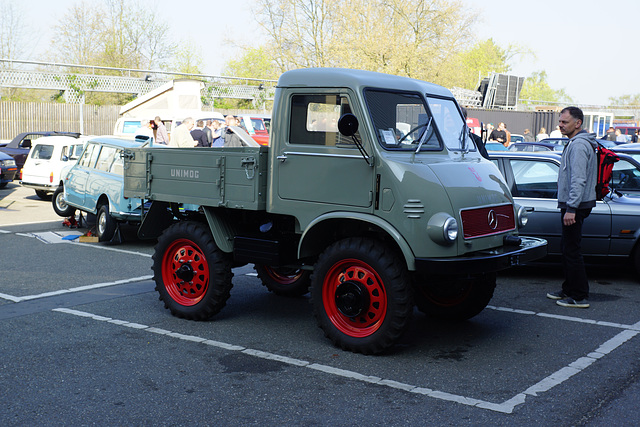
<point>356,79</point>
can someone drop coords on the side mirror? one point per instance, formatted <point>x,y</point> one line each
<point>65,159</point>
<point>348,124</point>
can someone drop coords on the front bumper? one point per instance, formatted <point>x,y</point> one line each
<point>530,249</point>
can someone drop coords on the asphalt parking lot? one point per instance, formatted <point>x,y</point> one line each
<point>85,340</point>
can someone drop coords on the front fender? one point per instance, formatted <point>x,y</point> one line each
<point>308,246</point>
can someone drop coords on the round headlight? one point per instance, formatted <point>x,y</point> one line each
<point>450,229</point>
<point>523,216</point>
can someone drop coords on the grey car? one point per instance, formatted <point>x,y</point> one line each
<point>611,231</point>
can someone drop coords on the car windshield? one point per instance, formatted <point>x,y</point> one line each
<point>453,128</point>
<point>401,121</point>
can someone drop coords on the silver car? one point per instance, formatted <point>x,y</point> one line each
<point>612,230</point>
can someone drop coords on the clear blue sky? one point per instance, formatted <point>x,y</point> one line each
<point>586,47</point>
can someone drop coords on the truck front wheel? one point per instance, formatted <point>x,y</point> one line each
<point>193,276</point>
<point>361,295</point>
<point>289,282</point>
<point>454,298</point>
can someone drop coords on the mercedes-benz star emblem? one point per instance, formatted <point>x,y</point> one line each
<point>492,219</point>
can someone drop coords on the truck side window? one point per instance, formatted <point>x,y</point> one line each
<point>400,120</point>
<point>314,120</point>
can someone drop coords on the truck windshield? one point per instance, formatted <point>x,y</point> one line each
<point>452,126</point>
<point>401,121</point>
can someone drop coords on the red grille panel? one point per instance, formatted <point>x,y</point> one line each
<point>487,221</point>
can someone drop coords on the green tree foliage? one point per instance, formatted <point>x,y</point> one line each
<point>626,100</point>
<point>255,62</point>
<point>536,88</point>
<point>484,58</point>
<point>415,38</point>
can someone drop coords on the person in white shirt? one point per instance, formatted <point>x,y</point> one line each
<point>556,133</point>
<point>181,135</point>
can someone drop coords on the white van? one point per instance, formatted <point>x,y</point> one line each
<point>49,155</point>
<point>128,126</point>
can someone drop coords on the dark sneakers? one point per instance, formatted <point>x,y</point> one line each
<point>570,302</point>
<point>557,295</point>
<point>566,301</point>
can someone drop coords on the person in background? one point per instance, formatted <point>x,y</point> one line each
<point>218,140</point>
<point>199,136</point>
<point>207,131</point>
<point>160,132</point>
<point>556,133</point>
<point>611,134</point>
<point>576,197</point>
<point>508,135</point>
<point>231,139</point>
<point>527,136</point>
<point>181,135</point>
<point>499,135</point>
<point>620,138</point>
<point>634,137</point>
<point>542,134</point>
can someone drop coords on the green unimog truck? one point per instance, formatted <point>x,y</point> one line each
<point>370,194</point>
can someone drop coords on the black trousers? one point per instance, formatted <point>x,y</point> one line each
<point>575,284</point>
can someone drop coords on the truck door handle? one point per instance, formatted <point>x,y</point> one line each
<point>282,158</point>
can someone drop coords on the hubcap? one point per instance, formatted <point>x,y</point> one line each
<point>351,299</point>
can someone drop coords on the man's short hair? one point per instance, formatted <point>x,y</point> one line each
<point>574,112</point>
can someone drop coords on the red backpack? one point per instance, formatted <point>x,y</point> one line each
<point>605,158</point>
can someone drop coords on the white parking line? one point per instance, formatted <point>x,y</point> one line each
<point>76,289</point>
<point>507,406</point>
<point>50,237</point>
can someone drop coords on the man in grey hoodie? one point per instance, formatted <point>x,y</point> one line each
<point>576,197</point>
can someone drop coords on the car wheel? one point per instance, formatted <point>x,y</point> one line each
<point>289,282</point>
<point>60,205</point>
<point>105,224</point>
<point>192,275</point>
<point>454,298</point>
<point>361,295</point>
<point>43,195</point>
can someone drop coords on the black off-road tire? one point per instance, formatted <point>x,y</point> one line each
<point>361,295</point>
<point>192,275</point>
<point>60,206</point>
<point>288,282</point>
<point>454,298</point>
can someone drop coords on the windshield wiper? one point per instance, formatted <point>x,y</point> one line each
<point>424,135</point>
<point>463,138</point>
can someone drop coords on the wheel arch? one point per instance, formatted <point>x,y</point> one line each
<point>330,227</point>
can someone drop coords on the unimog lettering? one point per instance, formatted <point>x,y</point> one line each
<point>185,173</point>
<point>370,195</point>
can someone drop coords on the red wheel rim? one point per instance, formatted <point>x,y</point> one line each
<point>355,274</point>
<point>185,272</point>
<point>285,276</point>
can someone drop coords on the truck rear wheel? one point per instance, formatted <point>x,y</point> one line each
<point>454,298</point>
<point>193,276</point>
<point>361,295</point>
<point>289,282</point>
